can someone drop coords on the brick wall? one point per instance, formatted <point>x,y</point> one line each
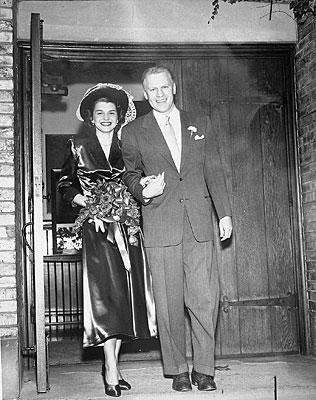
<point>306,97</point>
<point>8,292</point>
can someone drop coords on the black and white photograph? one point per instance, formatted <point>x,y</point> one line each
<point>158,199</point>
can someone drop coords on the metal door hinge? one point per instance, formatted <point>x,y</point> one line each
<point>288,301</point>
<point>27,350</point>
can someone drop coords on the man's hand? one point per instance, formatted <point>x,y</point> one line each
<point>225,228</point>
<point>146,179</point>
<point>155,186</point>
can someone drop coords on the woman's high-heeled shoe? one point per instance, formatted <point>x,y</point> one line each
<point>110,390</point>
<point>124,385</point>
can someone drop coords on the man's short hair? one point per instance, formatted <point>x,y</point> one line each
<point>156,70</point>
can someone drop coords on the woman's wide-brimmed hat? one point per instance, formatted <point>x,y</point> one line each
<point>114,93</point>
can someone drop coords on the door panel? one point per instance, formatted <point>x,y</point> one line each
<point>248,207</point>
<point>245,99</point>
<point>278,226</point>
<point>277,200</point>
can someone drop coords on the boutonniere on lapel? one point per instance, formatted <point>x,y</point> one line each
<point>193,129</point>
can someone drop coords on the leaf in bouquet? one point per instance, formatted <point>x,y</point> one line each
<point>117,191</point>
<point>105,209</point>
<point>126,200</point>
<point>92,209</point>
<point>84,214</point>
<point>133,214</point>
<point>119,212</point>
<point>115,204</point>
<point>106,198</point>
<point>131,211</point>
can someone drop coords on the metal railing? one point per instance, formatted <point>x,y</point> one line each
<point>63,296</point>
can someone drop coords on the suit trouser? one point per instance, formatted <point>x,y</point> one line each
<point>186,275</point>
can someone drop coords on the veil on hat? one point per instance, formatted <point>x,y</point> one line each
<point>131,109</point>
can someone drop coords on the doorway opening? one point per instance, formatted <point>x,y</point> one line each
<point>248,91</point>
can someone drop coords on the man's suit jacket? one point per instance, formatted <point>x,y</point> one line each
<point>201,179</point>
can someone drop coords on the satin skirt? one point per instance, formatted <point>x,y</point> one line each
<point>117,302</point>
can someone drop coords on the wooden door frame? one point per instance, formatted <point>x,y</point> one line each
<point>154,52</point>
<point>37,191</point>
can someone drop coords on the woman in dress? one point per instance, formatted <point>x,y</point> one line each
<point>118,300</point>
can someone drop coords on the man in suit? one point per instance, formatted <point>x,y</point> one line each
<point>179,154</point>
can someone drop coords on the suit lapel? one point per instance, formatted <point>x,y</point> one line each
<point>186,140</point>
<point>155,137</point>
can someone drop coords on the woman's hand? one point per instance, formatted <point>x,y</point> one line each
<point>80,200</point>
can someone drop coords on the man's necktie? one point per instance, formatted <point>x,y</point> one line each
<point>171,140</point>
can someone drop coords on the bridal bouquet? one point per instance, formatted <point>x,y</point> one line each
<point>111,202</point>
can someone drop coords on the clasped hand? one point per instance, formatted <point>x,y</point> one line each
<point>153,185</point>
<point>225,228</point>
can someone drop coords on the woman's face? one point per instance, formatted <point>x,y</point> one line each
<point>104,116</point>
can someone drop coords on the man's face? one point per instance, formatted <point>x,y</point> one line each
<point>159,90</point>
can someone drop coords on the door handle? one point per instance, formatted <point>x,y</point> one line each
<point>25,226</point>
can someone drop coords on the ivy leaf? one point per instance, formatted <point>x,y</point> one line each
<point>302,9</point>
<point>215,7</point>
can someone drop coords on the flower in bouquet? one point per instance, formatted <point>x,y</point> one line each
<point>110,201</point>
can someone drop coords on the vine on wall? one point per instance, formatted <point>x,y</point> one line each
<point>302,9</point>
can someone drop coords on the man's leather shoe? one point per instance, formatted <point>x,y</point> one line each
<point>181,382</point>
<point>202,381</point>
